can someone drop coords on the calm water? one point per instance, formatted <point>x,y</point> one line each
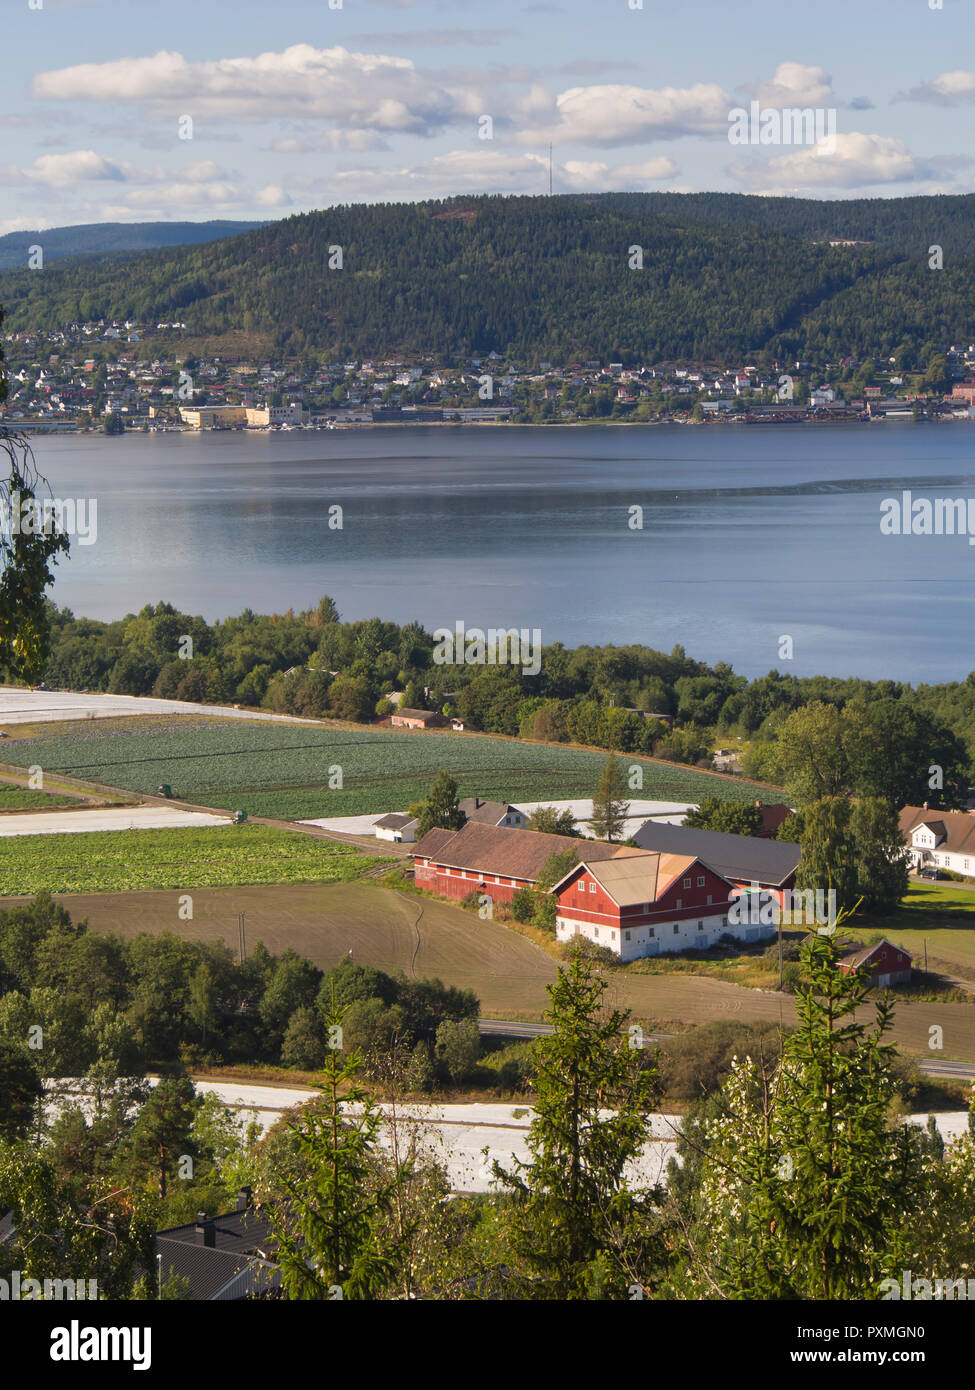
<point>749,533</point>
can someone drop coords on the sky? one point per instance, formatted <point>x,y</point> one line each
<point>149,110</point>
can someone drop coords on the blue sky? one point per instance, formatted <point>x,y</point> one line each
<point>294,105</point>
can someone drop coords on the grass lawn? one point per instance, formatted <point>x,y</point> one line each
<point>941,914</point>
<point>209,857</point>
<point>283,771</point>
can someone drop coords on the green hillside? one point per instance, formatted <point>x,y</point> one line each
<point>724,277</point>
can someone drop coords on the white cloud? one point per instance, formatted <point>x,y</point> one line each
<point>851,160</point>
<point>487,171</point>
<point>78,166</point>
<point>273,196</point>
<point>794,84</point>
<point>332,140</point>
<point>947,89</point>
<point>590,175</point>
<point>361,90</point>
<point>616,114</point>
<point>179,194</point>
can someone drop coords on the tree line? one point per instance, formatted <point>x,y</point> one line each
<point>883,738</point>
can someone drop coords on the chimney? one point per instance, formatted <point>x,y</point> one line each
<point>925,806</point>
<point>206,1233</point>
<point>244,1194</point>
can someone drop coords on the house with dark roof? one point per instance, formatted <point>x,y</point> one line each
<point>939,839</point>
<point>750,863</point>
<point>493,812</point>
<point>224,1257</point>
<point>493,859</point>
<point>887,964</point>
<point>397,826</point>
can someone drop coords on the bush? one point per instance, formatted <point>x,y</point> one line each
<point>791,976</point>
<point>591,950</point>
<point>458,1048</point>
<point>523,905</point>
<point>694,1064</point>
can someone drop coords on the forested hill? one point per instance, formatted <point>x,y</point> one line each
<point>725,277</point>
<point>109,238</point>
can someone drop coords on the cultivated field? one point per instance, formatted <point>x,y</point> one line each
<point>23,799</point>
<point>128,860</point>
<point>284,772</point>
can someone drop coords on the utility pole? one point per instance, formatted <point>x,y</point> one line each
<point>242,938</point>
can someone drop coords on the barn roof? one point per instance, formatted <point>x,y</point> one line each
<point>742,857</point>
<point>639,878</point>
<point>504,851</point>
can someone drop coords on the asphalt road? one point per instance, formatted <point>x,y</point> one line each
<point>500,1027</point>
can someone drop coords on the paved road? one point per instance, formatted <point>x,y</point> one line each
<point>957,1071</point>
<point>499,1027</point>
<point>504,1028</point>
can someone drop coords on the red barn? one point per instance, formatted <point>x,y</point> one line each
<point>644,903</point>
<point>887,964</point>
<point>491,859</point>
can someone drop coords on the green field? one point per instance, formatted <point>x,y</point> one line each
<point>940,914</point>
<point>23,799</point>
<point>283,771</point>
<point>122,860</point>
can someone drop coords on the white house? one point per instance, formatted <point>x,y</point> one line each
<point>939,839</point>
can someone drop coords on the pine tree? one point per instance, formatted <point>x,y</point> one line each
<point>609,810</point>
<point>576,1226</point>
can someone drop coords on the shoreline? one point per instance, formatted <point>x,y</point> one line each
<point>42,428</point>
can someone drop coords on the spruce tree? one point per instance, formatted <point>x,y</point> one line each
<point>577,1228</point>
<point>805,1181</point>
<point>609,809</point>
<point>327,1212</point>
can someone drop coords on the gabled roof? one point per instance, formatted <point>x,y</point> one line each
<point>424,714</point>
<point>503,850</point>
<point>209,1271</point>
<point>432,842</point>
<point>638,877</point>
<point>867,953</point>
<point>957,827</point>
<point>239,1239</point>
<point>741,857</point>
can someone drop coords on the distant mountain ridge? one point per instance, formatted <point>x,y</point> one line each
<point>107,238</point>
<point>718,277</point>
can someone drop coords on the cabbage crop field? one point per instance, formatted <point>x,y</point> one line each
<point>284,771</point>
<point>211,857</point>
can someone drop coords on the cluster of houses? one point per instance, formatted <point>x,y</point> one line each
<point>139,372</point>
<point>672,889</point>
